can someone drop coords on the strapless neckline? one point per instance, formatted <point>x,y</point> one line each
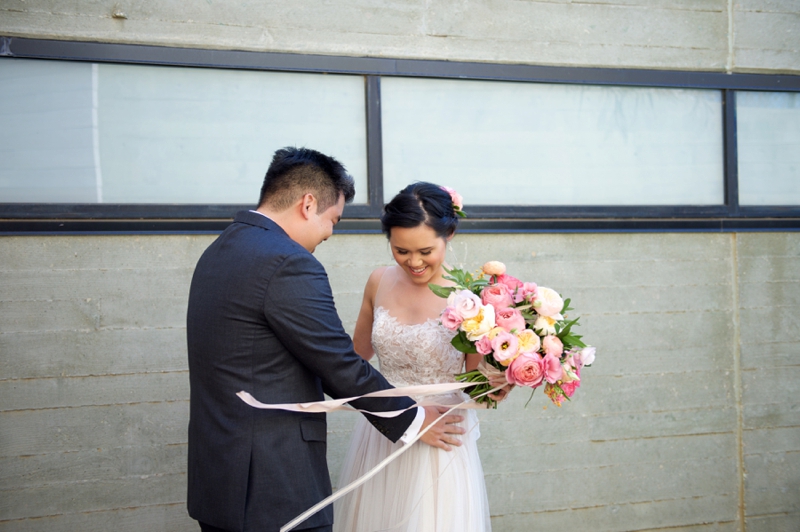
<point>379,308</point>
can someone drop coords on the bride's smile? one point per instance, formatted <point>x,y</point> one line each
<point>419,251</point>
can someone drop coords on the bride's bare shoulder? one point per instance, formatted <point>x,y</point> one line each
<point>374,280</point>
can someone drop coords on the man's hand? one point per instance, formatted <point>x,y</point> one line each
<point>445,432</point>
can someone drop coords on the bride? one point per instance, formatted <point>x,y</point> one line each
<point>425,488</point>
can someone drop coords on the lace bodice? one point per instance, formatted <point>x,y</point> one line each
<point>414,354</point>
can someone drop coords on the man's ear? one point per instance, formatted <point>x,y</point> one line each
<point>308,205</point>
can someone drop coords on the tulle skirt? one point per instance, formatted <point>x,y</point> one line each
<point>425,489</point>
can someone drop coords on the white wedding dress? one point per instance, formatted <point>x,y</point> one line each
<point>425,489</point>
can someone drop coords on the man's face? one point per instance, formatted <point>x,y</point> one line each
<point>319,226</point>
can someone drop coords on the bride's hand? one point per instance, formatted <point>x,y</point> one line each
<point>502,393</point>
<point>445,432</point>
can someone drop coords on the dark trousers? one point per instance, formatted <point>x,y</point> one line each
<point>208,528</point>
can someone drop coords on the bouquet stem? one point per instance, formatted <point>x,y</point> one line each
<point>480,389</point>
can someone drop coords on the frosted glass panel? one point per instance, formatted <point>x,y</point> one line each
<point>149,134</point>
<point>546,144</point>
<point>46,132</point>
<point>768,126</point>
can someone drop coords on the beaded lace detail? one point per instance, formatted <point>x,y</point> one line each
<point>414,354</point>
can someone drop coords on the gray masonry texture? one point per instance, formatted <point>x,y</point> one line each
<point>689,420</point>
<point>716,35</point>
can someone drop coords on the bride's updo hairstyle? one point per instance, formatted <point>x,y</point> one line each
<point>420,203</point>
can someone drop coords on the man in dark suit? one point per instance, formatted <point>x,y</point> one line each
<point>261,318</point>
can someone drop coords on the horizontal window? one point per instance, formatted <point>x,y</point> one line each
<point>554,144</point>
<point>106,133</point>
<point>115,137</point>
<point>768,125</point>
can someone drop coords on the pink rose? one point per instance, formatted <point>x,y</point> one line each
<point>552,345</point>
<point>484,345</point>
<point>526,370</point>
<point>552,368</point>
<point>569,387</point>
<point>451,319</point>
<point>455,197</point>
<point>466,304</point>
<point>506,347</point>
<point>494,267</point>
<point>497,295</point>
<point>514,286</point>
<point>510,319</point>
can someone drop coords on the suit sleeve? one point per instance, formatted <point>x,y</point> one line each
<point>299,308</point>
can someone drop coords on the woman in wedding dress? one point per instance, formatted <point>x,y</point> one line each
<point>425,489</point>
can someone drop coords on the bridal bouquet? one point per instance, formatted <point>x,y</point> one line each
<point>521,330</point>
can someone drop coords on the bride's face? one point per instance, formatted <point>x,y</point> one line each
<point>419,252</point>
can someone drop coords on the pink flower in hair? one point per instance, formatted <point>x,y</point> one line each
<point>455,197</point>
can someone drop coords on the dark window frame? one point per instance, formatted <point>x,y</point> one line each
<point>22,218</point>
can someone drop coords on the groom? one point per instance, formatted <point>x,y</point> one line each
<point>261,318</point>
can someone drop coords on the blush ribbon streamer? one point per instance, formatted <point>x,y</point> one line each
<point>332,405</point>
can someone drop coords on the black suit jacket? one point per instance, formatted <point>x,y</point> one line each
<point>262,319</point>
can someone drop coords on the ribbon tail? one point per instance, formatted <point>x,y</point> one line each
<point>375,470</point>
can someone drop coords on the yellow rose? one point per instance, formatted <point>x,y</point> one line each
<point>529,341</point>
<point>480,325</point>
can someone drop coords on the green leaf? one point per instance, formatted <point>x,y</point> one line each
<point>461,343</point>
<point>441,291</point>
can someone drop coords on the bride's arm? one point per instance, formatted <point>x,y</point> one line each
<point>362,337</point>
<point>471,361</point>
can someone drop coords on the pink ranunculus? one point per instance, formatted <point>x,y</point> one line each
<point>466,304</point>
<point>494,267</point>
<point>529,291</point>
<point>526,370</point>
<point>552,369</point>
<point>514,286</point>
<point>551,345</point>
<point>498,296</point>
<point>509,319</point>
<point>506,347</point>
<point>570,387</point>
<point>451,319</point>
<point>484,345</point>
<point>548,302</point>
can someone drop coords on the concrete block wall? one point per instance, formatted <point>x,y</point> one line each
<point>716,35</point>
<point>687,421</point>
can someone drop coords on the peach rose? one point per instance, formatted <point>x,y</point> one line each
<point>497,296</point>
<point>526,370</point>
<point>551,345</point>
<point>510,319</point>
<point>514,285</point>
<point>529,341</point>
<point>548,303</point>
